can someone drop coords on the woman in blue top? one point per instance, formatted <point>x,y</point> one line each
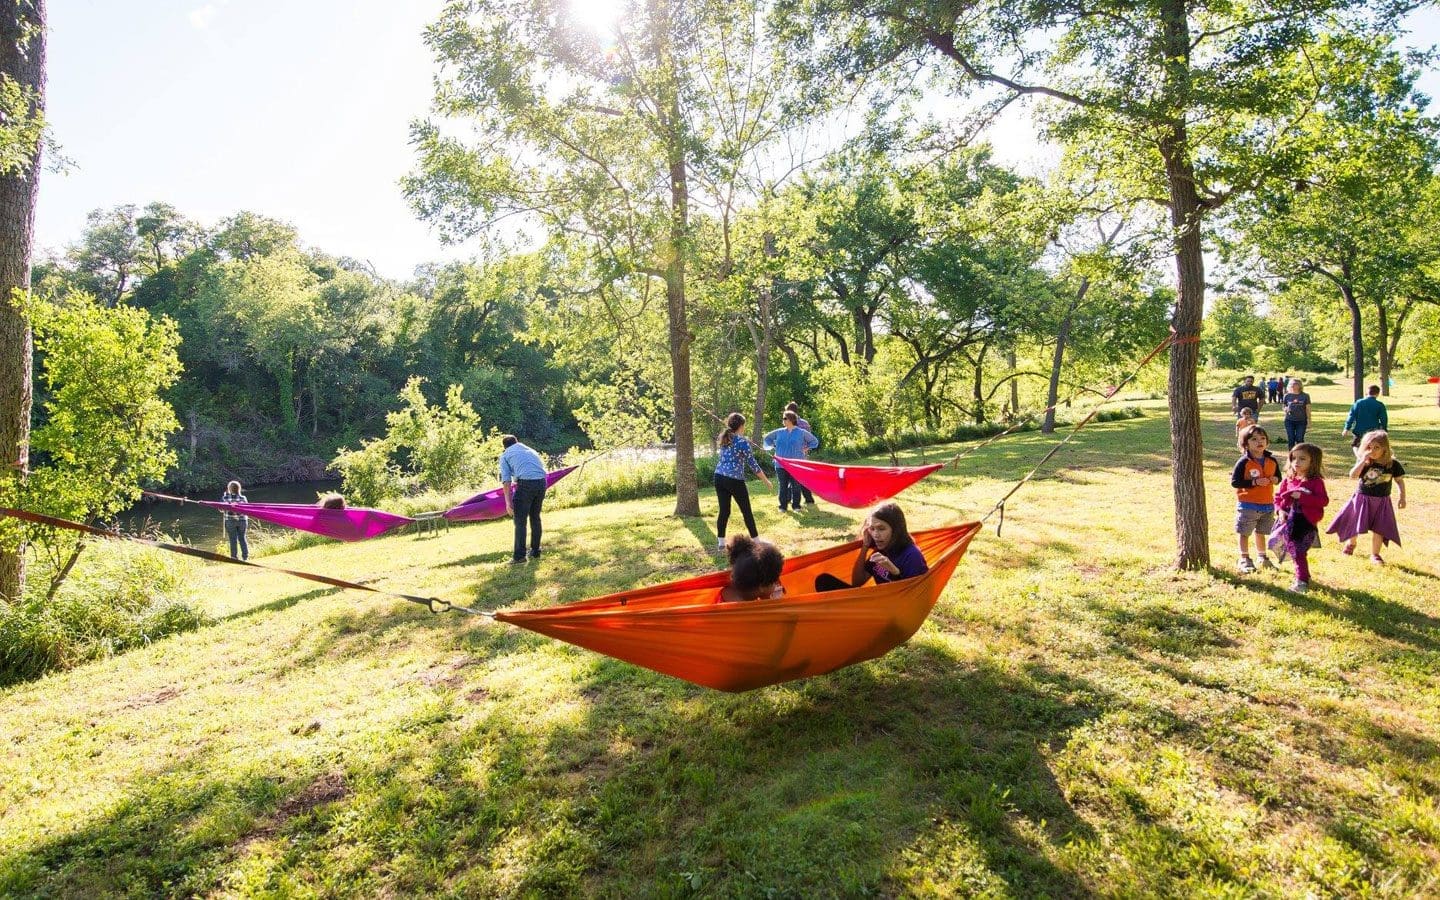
<point>887,552</point>
<point>737,455</point>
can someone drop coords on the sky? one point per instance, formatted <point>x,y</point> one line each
<point>296,109</point>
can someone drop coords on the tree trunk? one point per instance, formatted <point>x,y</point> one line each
<point>1382,346</point>
<point>687,491</point>
<point>1014,384</point>
<point>22,59</point>
<point>1357,335</point>
<point>1397,331</point>
<point>1062,337</point>
<point>1187,451</point>
<point>763,338</point>
<point>64,573</point>
<point>978,386</point>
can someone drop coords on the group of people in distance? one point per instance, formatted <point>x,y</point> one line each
<point>1299,493</point>
<point>887,552</point>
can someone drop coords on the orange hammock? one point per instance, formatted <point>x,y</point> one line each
<point>679,629</point>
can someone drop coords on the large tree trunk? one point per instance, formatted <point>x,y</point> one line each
<point>687,492</point>
<point>1187,451</point>
<point>22,59</point>
<point>1062,337</point>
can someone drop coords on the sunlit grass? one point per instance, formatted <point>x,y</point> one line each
<point>1074,718</point>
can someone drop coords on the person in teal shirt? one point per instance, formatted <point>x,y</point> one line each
<point>1367,415</point>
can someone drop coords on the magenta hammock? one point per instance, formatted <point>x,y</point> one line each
<point>349,524</point>
<point>491,503</point>
<point>855,486</point>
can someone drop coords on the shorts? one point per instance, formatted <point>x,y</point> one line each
<point>1248,520</point>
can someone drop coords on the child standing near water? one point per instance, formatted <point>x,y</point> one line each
<point>236,524</point>
<point>1254,478</point>
<point>1302,498</point>
<point>1369,509</point>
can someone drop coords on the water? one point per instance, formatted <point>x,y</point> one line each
<point>201,526</point>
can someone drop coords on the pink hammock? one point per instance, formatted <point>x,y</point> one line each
<point>350,524</point>
<point>491,503</point>
<point>855,486</point>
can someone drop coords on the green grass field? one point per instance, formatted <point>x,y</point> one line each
<point>1074,719</point>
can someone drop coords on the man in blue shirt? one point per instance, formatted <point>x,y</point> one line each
<point>524,467</point>
<point>1368,414</point>
<point>790,442</point>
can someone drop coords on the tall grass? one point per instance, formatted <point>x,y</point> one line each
<point>119,597</point>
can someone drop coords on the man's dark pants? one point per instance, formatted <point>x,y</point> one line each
<point>529,495</point>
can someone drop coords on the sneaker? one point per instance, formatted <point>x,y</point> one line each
<point>519,561</point>
<point>1265,562</point>
<point>534,554</point>
<point>1375,558</point>
<point>1246,566</point>
<point>1348,549</point>
<point>1300,587</point>
<point>720,546</point>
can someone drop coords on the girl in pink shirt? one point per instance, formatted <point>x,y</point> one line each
<point>1302,498</point>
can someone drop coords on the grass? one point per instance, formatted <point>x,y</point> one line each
<point>1075,718</point>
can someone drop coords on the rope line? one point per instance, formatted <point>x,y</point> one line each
<point>999,506</point>
<point>434,604</point>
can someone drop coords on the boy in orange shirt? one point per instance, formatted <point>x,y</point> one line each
<point>1254,478</point>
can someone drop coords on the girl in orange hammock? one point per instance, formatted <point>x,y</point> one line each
<point>755,566</point>
<point>887,552</point>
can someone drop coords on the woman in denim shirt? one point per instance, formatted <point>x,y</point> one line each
<point>737,455</point>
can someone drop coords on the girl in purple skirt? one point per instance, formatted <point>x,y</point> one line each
<point>1370,510</point>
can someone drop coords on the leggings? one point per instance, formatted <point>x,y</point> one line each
<point>726,488</point>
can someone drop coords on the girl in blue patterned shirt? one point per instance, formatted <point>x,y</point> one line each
<point>736,455</point>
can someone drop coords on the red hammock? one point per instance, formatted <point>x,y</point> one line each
<point>855,486</point>
<point>679,629</point>
<point>491,504</point>
<point>354,523</point>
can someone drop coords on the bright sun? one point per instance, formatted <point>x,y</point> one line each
<point>599,16</point>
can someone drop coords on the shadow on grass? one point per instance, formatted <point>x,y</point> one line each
<point>1364,610</point>
<point>824,788</point>
<point>280,604</point>
<point>477,559</point>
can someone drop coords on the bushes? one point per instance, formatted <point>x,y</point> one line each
<point>442,447</point>
<point>119,596</point>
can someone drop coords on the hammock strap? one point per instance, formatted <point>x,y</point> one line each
<point>999,506</point>
<point>434,604</point>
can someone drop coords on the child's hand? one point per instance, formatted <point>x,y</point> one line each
<point>1401,504</point>
<point>884,562</point>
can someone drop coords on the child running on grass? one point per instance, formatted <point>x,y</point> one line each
<point>1369,509</point>
<point>1254,478</point>
<point>1302,498</point>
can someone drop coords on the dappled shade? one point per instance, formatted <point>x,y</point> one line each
<point>679,629</point>
<point>855,486</point>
